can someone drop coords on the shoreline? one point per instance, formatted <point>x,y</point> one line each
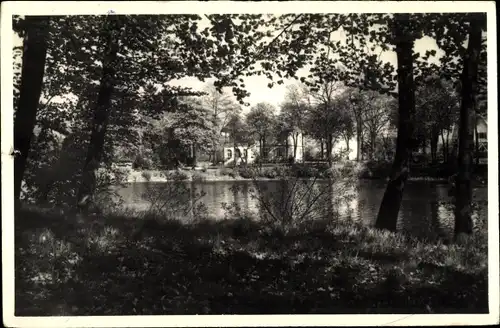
<point>198,176</point>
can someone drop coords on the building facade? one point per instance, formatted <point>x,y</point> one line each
<point>283,150</point>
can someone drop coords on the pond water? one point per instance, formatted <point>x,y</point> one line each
<point>422,213</point>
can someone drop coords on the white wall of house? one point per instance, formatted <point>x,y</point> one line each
<point>244,152</point>
<point>299,156</point>
<point>482,130</point>
<point>341,146</point>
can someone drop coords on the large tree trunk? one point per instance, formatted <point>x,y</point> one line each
<point>389,208</point>
<point>101,112</point>
<point>463,199</point>
<point>33,67</point>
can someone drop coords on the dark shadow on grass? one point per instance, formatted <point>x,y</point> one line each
<point>209,268</point>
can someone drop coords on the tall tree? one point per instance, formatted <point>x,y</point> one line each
<point>192,126</point>
<point>293,115</point>
<point>463,199</point>
<point>221,107</point>
<point>436,112</point>
<point>375,114</point>
<point>111,35</point>
<point>35,33</point>
<point>389,208</point>
<point>261,121</point>
<point>329,118</point>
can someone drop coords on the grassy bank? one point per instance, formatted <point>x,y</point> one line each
<point>131,264</point>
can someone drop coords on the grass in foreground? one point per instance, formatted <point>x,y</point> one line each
<point>128,264</point>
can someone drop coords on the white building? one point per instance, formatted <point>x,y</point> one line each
<point>279,151</point>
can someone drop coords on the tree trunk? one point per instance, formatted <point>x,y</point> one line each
<point>33,67</point>
<point>234,152</point>
<point>434,143</point>
<point>463,199</point>
<point>359,142</point>
<point>361,147</point>
<point>329,149</point>
<point>302,144</point>
<point>101,111</point>
<point>322,149</point>
<point>373,138</point>
<point>216,137</point>
<point>448,145</point>
<point>260,148</point>
<point>389,208</point>
<point>476,144</point>
<point>286,148</point>
<point>444,148</point>
<point>295,142</point>
<point>194,155</point>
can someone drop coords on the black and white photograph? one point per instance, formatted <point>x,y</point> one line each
<point>214,163</point>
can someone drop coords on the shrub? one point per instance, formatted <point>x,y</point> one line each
<point>174,199</point>
<point>226,171</point>
<point>142,162</point>
<point>176,176</point>
<point>246,173</point>
<point>196,177</point>
<point>304,171</point>
<point>376,170</point>
<point>146,175</point>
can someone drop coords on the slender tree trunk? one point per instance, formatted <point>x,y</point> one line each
<point>33,67</point>
<point>434,141</point>
<point>476,144</point>
<point>463,199</point>
<point>286,148</point>
<point>322,149</point>
<point>448,145</point>
<point>329,147</point>
<point>389,208</point>
<point>234,152</point>
<point>445,151</point>
<point>194,155</point>
<point>302,143</point>
<point>101,111</point>
<point>359,142</point>
<point>295,142</point>
<point>373,137</point>
<point>216,137</point>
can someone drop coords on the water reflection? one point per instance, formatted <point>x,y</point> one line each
<point>423,211</point>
